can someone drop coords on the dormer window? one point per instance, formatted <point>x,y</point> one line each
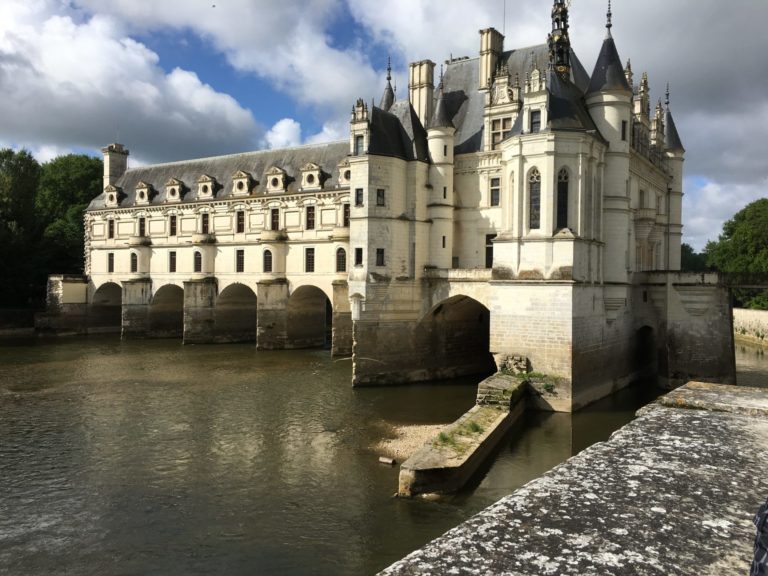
<point>345,173</point>
<point>174,190</point>
<point>501,128</point>
<point>311,177</point>
<point>206,187</point>
<point>241,183</point>
<point>144,193</point>
<point>113,196</point>
<point>276,180</point>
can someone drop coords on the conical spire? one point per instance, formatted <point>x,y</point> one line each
<point>609,74</point>
<point>388,98</point>
<point>672,141</point>
<point>441,118</point>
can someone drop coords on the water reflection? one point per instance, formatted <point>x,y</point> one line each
<point>156,458</point>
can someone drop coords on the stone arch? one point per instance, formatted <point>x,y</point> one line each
<point>645,353</point>
<point>166,312</point>
<point>455,338</point>
<point>105,310</point>
<point>235,314</point>
<point>310,318</point>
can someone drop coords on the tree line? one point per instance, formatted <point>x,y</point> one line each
<point>41,221</point>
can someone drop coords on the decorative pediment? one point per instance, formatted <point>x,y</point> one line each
<point>206,187</point>
<point>345,172</point>
<point>312,176</point>
<point>113,196</point>
<point>174,190</point>
<point>241,183</point>
<point>144,193</point>
<point>277,179</point>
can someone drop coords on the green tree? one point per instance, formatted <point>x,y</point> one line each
<point>692,261</point>
<point>742,250</point>
<point>19,177</point>
<point>67,184</point>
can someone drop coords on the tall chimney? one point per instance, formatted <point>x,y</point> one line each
<point>421,89</point>
<point>491,48</point>
<point>115,163</point>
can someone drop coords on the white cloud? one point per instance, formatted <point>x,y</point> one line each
<point>285,133</point>
<point>73,81</point>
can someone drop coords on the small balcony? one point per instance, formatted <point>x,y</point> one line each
<point>137,241</point>
<point>273,235</point>
<point>199,239</point>
<point>340,233</point>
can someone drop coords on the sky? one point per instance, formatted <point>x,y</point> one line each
<point>180,79</point>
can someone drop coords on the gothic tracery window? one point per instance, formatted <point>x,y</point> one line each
<point>562,199</point>
<point>534,198</point>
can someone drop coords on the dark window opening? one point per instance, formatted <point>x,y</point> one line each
<point>445,192</point>
<point>489,250</point>
<point>359,143</point>
<point>345,215</point>
<point>624,130</point>
<point>110,262</point>
<point>341,260</point>
<point>535,120</point>
<point>172,226</point>
<point>171,261</point>
<point>134,263</point>
<point>198,262</point>
<point>310,217</point>
<point>142,226</point>
<point>445,150</point>
<point>309,260</point>
<point>358,256</point>
<point>205,223</point>
<point>501,129</point>
<point>495,191</point>
<point>240,261</point>
<point>111,229</point>
<point>443,241</point>
<point>358,196</point>
<point>380,257</point>
<point>267,261</point>
<point>240,225</point>
<point>274,219</point>
<point>562,200</point>
<point>381,198</point>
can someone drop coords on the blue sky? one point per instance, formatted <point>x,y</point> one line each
<point>187,78</point>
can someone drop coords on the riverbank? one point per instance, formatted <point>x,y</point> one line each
<point>673,492</point>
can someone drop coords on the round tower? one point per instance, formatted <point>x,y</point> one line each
<point>441,139</point>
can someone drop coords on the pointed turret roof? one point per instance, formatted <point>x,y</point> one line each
<point>441,118</point>
<point>671,137</point>
<point>388,98</point>
<point>609,74</point>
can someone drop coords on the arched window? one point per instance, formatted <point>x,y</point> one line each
<point>562,199</point>
<point>534,198</point>
<point>134,262</point>
<point>198,262</point>
<point>267,261</point>
<point>341,260</point>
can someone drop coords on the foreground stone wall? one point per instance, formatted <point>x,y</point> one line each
<point>673,492</point>
<point>751,326</point>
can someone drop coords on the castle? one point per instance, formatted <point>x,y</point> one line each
<point>522,207</point>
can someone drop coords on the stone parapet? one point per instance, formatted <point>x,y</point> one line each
<point>673,492</point>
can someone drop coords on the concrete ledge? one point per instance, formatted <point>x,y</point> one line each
<point>456,453</point>
<point>673,492</point>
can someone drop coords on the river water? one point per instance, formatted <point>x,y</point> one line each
<point>150,457</point>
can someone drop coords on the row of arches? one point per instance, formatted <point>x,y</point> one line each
<point>309,314</point>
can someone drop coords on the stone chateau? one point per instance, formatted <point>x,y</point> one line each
<point>513,205</point>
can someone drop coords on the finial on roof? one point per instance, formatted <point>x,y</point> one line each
<point>609,21</point>
<point>389,68</point>
<point>667,96</point>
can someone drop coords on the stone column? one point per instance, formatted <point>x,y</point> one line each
<point>199,310</point>
<point>341,344</point>
<point>137,295</point>
<point>272,314</point>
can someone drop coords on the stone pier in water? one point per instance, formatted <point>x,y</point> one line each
<point>673,492</point>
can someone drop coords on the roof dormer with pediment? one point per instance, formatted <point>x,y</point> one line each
<point>206,187</point>
<point>113,195</point>
<point>174,190</point>
<point>277,180</point>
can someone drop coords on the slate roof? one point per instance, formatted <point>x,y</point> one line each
<point>222,168</point>
<point>465,104</point>
<point>608,73</point>
<point>398,133</point>
<point>671,137</point>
